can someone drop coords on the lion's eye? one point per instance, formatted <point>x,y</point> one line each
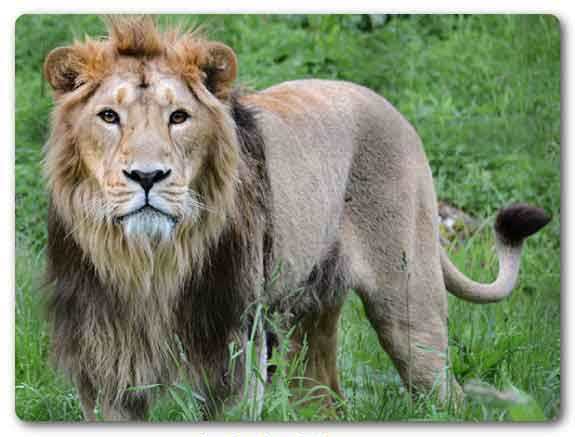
<point>109,116</point>
<point>178,116</point>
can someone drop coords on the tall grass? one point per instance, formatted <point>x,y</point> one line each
<point>484,94</point>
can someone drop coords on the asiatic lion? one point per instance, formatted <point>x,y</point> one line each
<point>174,198</point>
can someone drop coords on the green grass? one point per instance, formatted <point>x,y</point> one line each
<point>484,94</point>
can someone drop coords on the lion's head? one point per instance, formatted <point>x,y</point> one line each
<point>143,160</point>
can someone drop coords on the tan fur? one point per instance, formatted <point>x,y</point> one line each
<point>354,170</point>
<point>344,199</point>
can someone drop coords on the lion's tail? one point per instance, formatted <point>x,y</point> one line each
<point>512,226</point>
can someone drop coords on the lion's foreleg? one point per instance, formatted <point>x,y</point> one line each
<point>255,370</point>
<point>87,395</point>
<point>316,337</point>
<point>134,406</point>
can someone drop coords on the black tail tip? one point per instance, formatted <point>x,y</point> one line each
<point>518,221</point>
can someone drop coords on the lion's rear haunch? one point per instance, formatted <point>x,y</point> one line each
<point>180,208</point>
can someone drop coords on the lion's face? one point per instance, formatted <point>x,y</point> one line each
<point>144,137</point>
<point>143,159</point>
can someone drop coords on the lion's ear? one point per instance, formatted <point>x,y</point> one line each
<point>221,69</point>
<point>61,68</point>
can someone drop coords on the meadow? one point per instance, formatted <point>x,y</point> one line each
<point>484,94</point>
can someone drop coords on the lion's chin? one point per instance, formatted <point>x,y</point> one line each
<point>148,225</point>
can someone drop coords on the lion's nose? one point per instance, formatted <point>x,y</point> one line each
<point>147,179</point>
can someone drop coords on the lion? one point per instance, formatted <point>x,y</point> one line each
<point>180,206</point>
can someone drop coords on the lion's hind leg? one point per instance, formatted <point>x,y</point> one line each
<point>408,310</point>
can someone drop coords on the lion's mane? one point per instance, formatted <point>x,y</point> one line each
<point>124,309</point>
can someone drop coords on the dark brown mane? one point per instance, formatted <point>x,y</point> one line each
<point>253,148</point>
<point>218,295</point>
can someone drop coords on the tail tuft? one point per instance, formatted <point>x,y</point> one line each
<point>518,221</point>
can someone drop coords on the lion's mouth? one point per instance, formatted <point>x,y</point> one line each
<point>147,209</point>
